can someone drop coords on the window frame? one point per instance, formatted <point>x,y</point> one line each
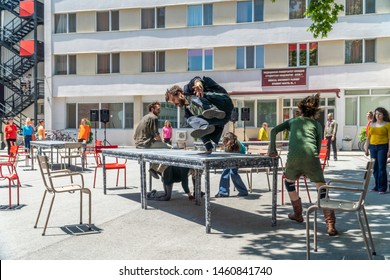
<point>157,55</point>
<point>110,63</point>
<point>363,51</point>
<point>364,7</point>
<point>202,16</point>
<point>253,11</point>
<point>305,2</point>
<point>204,60</point>
<point>110,20</point>
<point>156,17</point>
<point>68,68</point>
<point>67,23</point>
<point>257,49</point>
<point>298,54</point>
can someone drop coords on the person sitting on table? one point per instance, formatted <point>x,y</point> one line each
<point>147,136</point>
<point>263,134</point>
<point>207,108</point>
<point>172,174</point>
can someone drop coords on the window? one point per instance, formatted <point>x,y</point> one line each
<point>198,15</point>
<point>199,59</point>
<point>83,111</point>
<point>250,11</point>
<point>64,23</point>
<point>266,112</point>
<point>356,7</point>
<point>71,115</point>
<point>250,57</point>
<point>305,54</point>
<point>359,51</point>
<point>151,16</point>
<point>108,63</point>
<point>297,9</point>
<point>65,64</point>
<point>153,61</point>
<point>116,114</point>
<point>168,112</point>
<point>359,102</point>
<point>129,115</point>
<point>107,21</point>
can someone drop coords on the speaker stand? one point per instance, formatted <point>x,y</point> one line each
<point>105,134</point>
<point>95,133</point>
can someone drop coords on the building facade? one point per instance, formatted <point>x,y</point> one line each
<point>122,55</point>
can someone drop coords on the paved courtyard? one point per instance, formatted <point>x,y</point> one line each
<point>241,226</point>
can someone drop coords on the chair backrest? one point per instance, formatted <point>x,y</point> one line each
<point>366,179</point>
<point>45,172</point>
<point>323,156</point>
<point>98,151</point>
<point>73,145</point>
<point>257,149</point>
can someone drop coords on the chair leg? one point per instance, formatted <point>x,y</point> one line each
<point>307,188</point>
<point>269,186</point>
<point>249,179</point>
<point>40,209</point>
<point>9,194</point>
<point>364,235</point>
<point>48,214</point>
<point>369,231</point>
<point>88,191</point>
<point>124,170</point>
<point>81,207</point>
<point>315,231</point>
<point>283,178</point>
<point>117,177</point>
<point>94,178</point>
<point>17,189</point>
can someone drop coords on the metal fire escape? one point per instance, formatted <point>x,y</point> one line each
<point>14,66</point>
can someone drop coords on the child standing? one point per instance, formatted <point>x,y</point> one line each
<point>232,145</point>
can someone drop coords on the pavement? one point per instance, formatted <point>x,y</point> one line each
<point>241,226</point>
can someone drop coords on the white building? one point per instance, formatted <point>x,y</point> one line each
<point>121,55</point>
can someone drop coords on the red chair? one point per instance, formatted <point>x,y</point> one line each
<point>12,174</point>
<point>323,156</point>
<point>109,165</point>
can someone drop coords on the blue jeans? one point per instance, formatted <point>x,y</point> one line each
<point>27,140</point>
<point>379,152</point>
<point>224,183</point>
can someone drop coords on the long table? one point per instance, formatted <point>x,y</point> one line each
<point>198,161</point>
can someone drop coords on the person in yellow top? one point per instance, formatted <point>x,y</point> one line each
<point>378,142</point>
<point>84,131</point>
<point>41,130</point>
<point>263,134</point>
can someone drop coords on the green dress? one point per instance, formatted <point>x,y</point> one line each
<point>303,149</point>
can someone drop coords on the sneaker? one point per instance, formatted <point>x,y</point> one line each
<point>381,192</point>
<point>151,195</point>
<point>200,132</point>
<point>335,159</point>
<point>220,195</point>
<point>213,113</point>
<point>154,173</point>
<point>374,190</point>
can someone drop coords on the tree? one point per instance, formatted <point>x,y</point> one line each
<point>323,13</point>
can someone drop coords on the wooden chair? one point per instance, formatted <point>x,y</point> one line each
<point>354,202</point>
<point>109,165</point>
<point>49,180</point>
<point>12,174</point>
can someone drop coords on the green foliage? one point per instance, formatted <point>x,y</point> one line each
<point>362,135</point>
<point>323,13</point>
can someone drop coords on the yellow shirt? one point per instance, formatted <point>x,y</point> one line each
<point>263,135</point>
<point>379,135</point>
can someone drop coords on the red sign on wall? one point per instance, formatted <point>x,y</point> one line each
<point>284,77</point>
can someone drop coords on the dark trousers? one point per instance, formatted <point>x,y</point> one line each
<point>223,102</point>
<point>27,140</point>
<point>333,143</point>
<point>379,152</point>
<point>10,142</point>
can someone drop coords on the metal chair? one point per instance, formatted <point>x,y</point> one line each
<point>109,165</point>
<point>72,151</point>
<point>50,178</point>
<point>12,174</point>
<point>354,203</point>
